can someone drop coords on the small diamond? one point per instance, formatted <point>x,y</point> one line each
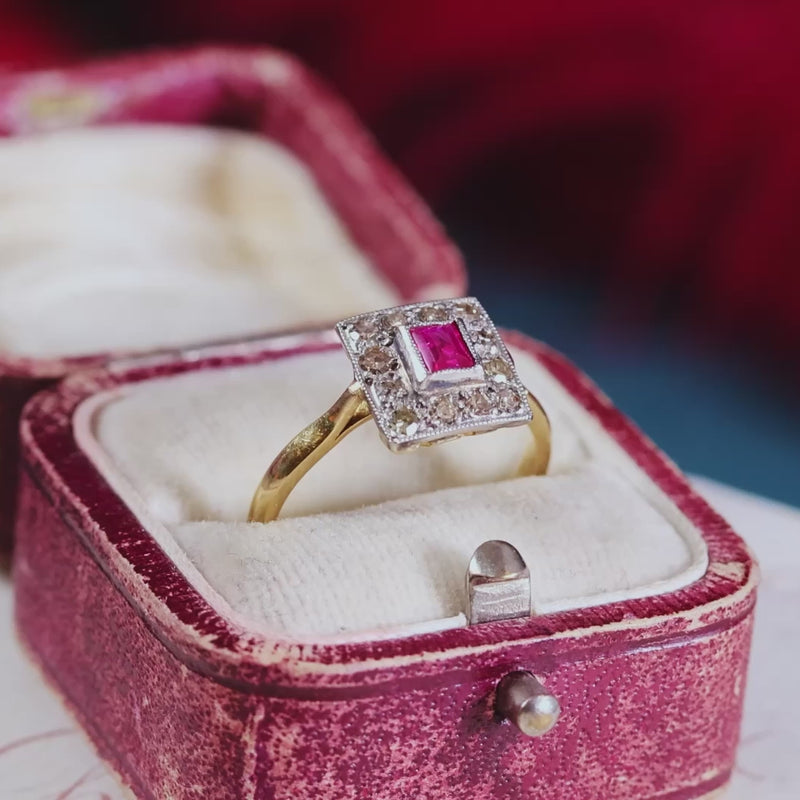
<point>366,326</point>
<point>445,409</point>
<point>499,370</point>
<point>483,337</point>
<point>476,323</point>
<point>404,421</point>
<point>392,387</point>
<point>375,359</point>
<point>385,338</point>
<point>394,319</point>
<point>479,402</point>
<point>484,341</point>
<point>509,400</point>
<point>431,314</point>
<point>466,310</point>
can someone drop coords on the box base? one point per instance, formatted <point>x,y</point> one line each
<point>131,789</point>
<point>83,726</point>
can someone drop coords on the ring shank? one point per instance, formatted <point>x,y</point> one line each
<point>345,415</point>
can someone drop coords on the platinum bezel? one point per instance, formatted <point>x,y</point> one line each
<point>423,388</point>
<point>424,380</point>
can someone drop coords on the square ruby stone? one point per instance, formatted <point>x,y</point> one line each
<point>442,347</point>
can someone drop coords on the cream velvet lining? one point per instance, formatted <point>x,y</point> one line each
<point>137,237</point>
<point>374,544</point>
<point>131,238</point>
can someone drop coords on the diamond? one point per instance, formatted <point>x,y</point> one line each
<point>394,319</point>
<point>404,421</point>
<point>509,400</point>
<point>479,402</point>
<point>392,387</point>
<point>366,326</point>
<point>431,314</point>
<point>485,343</point>
<point>442,347</point>
<point>445,409</point>
<point>466,309</point>
<point>375,359</point>
<point>385,338</point>
<point>499,370</point>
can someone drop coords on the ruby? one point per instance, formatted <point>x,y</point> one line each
<point>442,347</point>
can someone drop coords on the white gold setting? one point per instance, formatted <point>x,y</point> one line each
<point>414,402</point>
<point>425,380</point>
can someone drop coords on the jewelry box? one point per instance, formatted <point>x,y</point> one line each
<point>329,654</point>
<point>180,235</point>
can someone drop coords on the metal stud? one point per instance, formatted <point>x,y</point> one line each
<point>526,704</point>
<point>498,584</point>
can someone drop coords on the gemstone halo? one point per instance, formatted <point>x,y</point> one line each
<point>442,347</point>
<point>434,370</point>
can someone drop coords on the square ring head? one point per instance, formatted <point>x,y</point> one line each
<point>434,371</point>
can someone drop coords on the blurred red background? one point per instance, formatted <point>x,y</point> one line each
<point>643,155</point>
<point>659,143</point>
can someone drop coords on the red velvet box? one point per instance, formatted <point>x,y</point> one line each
<point>326,655</point>
<point>186,696</point>
<point>262,91</point>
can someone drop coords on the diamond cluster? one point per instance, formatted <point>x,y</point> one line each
<point>434,370</point>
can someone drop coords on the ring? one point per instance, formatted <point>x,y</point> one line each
<point>426,373</point>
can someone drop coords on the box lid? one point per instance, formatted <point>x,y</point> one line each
<point>262,92</point>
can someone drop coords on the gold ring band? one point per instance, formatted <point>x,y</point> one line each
<point>426,373</point>
<point>345,415</point>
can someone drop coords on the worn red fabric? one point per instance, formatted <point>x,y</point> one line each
<point>186,703</point>
<point>657,142</point>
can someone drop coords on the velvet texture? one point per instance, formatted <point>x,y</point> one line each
<point>371,544</point>
<point>186,704</point>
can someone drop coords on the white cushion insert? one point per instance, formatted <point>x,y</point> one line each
<point>372,543</point>
<point>136,237</point>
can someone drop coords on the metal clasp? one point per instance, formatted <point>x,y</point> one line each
<point>498,584</point>
<point>527,704</point>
